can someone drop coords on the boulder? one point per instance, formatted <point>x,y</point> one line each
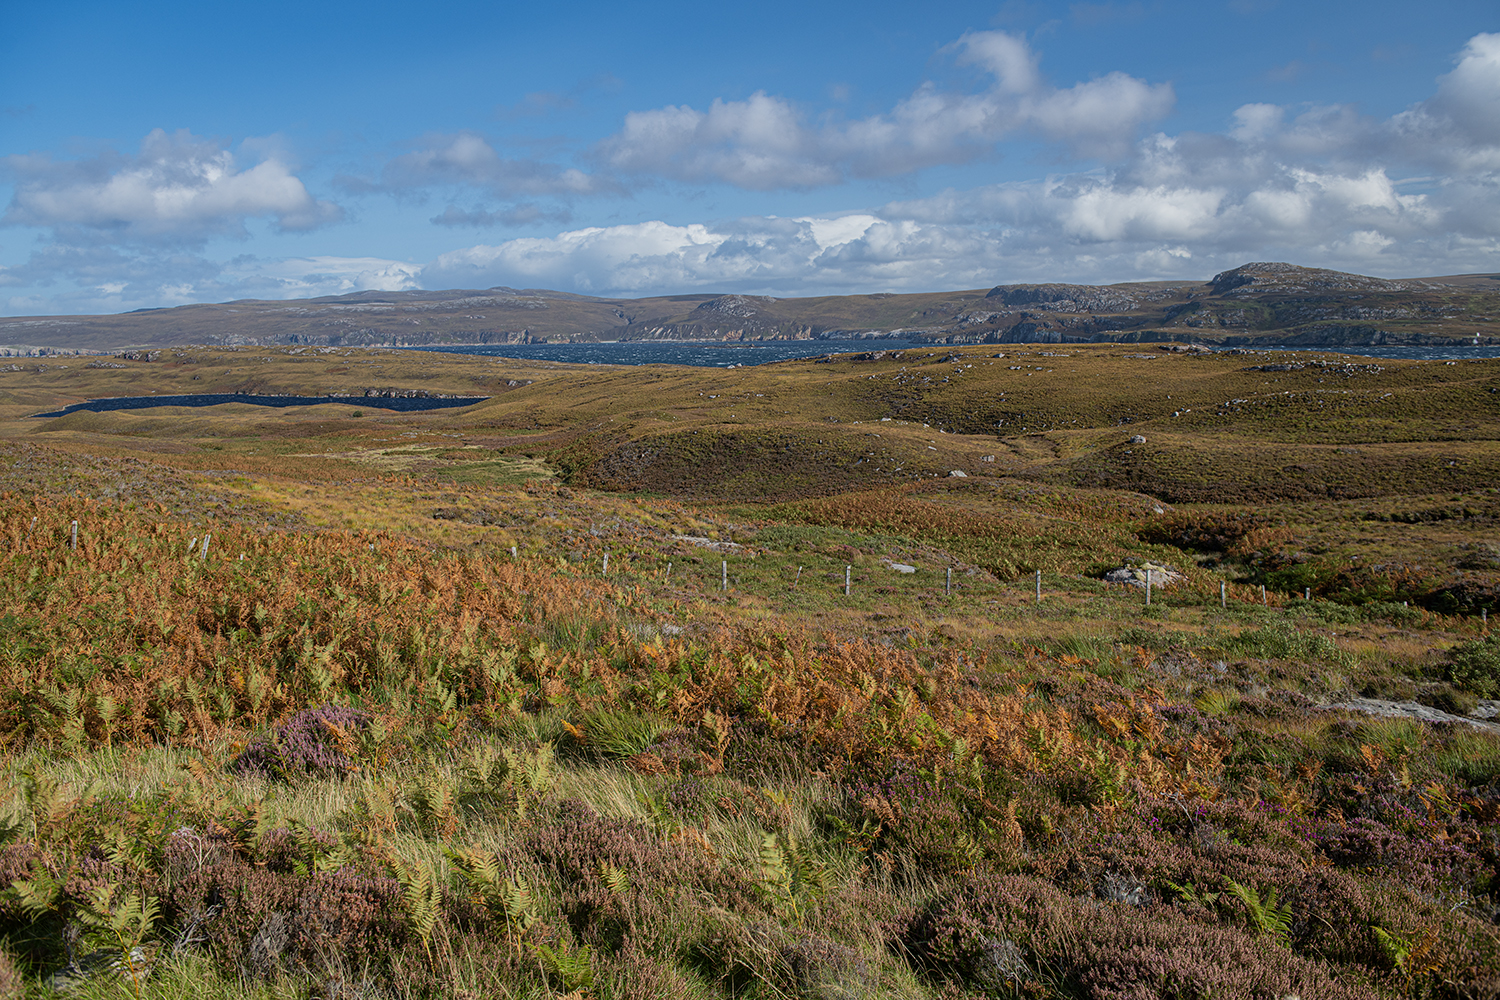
<point>1135,576</point>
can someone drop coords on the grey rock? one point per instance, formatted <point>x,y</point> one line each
<point>1000,964</point>
<point>101,963</point>
<point>1422,713</point>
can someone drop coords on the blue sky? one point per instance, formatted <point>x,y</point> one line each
<point>162,153</point>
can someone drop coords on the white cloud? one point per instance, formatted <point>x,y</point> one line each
<point>178,188</point>
<point>1470,95</point>
<point>766,143</point>
<point>309,277</point>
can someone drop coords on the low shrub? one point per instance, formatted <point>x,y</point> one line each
<point>1475,666</point>
<point>314,742</point>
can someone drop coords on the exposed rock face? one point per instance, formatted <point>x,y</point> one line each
<point>740,306</point>
<point>1064,298</point>
<point>1276,277</point>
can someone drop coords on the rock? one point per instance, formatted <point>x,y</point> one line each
<point>707,543</point>
<point>1135,576</point>
<point>958,474</point>
<point>1411,710</point>
<point>901,567</point>
<point>105,962</point>
<point>1121,888</point>
<point>999,964</point>
<point>1138,439</point>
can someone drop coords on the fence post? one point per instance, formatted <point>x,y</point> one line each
<point>203,553</point>
<point>948,583</point>
<point>606,563</point>
<point>513,552</point>
<point>1223,597</point>
<point>1263,594</point>
<point>1148,588</point>
<point>848,580</point>
<point>723,574</point>
<point>798,578</point>
<point>1039,586</point>
<point>1307,593</point>
<point>73,541</point>
<point>669,571</point>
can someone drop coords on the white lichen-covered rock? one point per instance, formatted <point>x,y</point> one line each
<point>958,474</point>
<point>1161,574</point>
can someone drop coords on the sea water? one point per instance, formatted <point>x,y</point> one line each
<point>735,353</point>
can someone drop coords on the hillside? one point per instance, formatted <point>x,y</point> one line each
<point>1254,305</point>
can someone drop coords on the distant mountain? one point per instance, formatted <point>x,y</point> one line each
<point>1255,304</point>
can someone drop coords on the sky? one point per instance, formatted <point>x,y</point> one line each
<point>157,154</point>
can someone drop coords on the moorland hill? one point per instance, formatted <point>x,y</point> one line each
<point>1257,304</point>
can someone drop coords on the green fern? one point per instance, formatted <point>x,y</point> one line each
<point>792,879</point>
<point>509,898</point>
<point>616,879</point>
<point>38,895</point>
<point>1410,957</point>
<point>1266,916</point>
<point>122,920</point>
<point>529,776</point>
<point>1190,893</point>
<point>421,898</point>
<point>574,968</point>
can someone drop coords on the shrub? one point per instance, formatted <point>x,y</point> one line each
<point>1024,936</point>
<point>316,741</point>
<point>617,883</point>
<point>1281,640</point>
<point>1475,665</point>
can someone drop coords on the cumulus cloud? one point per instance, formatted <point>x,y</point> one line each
<point>1469,97</point>
<point>765,142</point>
<point>761,254</point>
<point>178,188</point>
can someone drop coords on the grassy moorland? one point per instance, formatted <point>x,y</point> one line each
<point>562,694</point>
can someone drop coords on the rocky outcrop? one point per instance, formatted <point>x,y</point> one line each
<point>1252,279</point>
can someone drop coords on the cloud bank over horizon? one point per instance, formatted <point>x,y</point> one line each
<point>1410,193</point>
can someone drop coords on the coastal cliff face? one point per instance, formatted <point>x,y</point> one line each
<point>1257,304</point>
